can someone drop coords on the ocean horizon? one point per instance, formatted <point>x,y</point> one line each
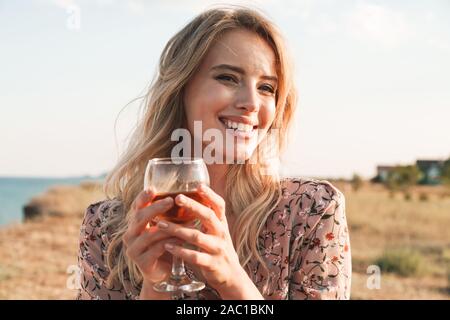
<point>16,192</point>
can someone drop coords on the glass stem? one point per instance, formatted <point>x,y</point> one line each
<point>178,270</point>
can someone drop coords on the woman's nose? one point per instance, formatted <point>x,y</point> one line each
<point>248,99</point>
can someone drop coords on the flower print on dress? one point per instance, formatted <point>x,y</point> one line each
<point>304,244</point>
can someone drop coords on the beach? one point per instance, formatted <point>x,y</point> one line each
<point>38,258</point>
<point>15,192</point>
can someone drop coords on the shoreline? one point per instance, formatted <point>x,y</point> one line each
<point>16,192</point>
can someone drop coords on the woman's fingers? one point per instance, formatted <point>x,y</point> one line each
<point>193,236</point>
<point>145,240</point>
<point>145,215</point>
<point>143,199</point>
<point>156,251</point>
<point>141,218</point>
<point>214,200</point>
<point>190,256</point>
<point>206,215</point>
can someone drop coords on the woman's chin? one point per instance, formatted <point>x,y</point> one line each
<point>239,156</point>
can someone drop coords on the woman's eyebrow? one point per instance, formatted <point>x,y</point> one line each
<point>240,70</point>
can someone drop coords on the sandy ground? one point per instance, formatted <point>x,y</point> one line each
<point>36,259</point>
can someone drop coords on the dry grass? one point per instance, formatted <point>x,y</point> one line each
<point>65,200</point>
<point>409,238</point>
<point>34,256</point>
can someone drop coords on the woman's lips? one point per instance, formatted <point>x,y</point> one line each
<point>237,133</point>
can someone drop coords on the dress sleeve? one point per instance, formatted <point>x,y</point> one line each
<point>92,266</point>
<point>320,258</point>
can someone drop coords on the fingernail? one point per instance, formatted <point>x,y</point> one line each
<point>181,198</point>
<point>167,200</point>
<point>162,225</point>
<point>169,246</point>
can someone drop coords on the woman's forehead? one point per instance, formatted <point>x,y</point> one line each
<point>244,49</point>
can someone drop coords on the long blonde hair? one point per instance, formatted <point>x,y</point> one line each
<point>254,194</point>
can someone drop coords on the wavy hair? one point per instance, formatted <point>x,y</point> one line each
<point>252,193</point>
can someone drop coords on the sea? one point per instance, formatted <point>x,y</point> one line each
<point>15,192</point>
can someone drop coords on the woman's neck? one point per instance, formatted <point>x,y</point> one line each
<point>217,177</point>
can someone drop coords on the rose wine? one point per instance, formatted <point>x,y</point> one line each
<point>177,214</point>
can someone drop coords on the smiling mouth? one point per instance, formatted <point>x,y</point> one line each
<point>238,126</point>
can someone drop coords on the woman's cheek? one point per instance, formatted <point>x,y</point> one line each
<point>268,116</point>
<point>220,97</point>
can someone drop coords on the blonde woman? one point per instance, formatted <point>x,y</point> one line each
<point>263,237</point>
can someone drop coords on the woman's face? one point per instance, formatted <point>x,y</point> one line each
<point>235,86</point>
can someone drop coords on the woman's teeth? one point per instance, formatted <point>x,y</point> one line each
<point>239,126</point>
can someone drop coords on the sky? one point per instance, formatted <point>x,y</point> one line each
<point>373,79</point>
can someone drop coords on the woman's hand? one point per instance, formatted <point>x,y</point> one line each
<point>145,245</point>
<point>217,258</point>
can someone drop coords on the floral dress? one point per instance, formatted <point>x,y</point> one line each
<point>304,244</point>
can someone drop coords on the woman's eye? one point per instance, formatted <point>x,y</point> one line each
<point>267,88</point>
<point>225,77</point>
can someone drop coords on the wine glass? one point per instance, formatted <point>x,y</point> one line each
<point>169,177</point>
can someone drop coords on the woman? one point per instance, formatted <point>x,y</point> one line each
<point>263,237</point>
